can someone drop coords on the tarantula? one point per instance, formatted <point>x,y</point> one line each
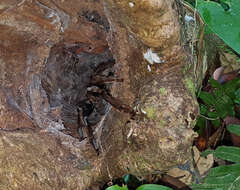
<point>77,78</point>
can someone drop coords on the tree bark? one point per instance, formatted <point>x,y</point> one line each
<point>39,146</point>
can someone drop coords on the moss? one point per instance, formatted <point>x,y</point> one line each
<point>190,86</point>
<point>124,156</point>
<point>119,122</point>
<point>141,162</point>
<point>161,123</point>
<point>151,112</point>
<point>163,91</point>
<point>185,69</point>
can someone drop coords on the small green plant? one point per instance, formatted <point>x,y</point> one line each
<point>234,129</point>
<point>219,103</point>
<point>216,104</point>
<point>133,183</point>
<point>226,177</point>
<point>116,187</point>
<point>142,187</point>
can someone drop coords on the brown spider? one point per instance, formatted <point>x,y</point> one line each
<point>77,78</point>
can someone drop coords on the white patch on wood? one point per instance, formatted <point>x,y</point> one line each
<point>152,57</point>
<point>131,4</point>
<point>130,133</point>
<point>188,18</point>
<point>143,111</point>
<point>149,68</point>
<point>134,108</point>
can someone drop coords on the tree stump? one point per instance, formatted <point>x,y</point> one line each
<point>92,90</point>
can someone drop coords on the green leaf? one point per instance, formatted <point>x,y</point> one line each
<point>226,1</point>
<point>233,169</point>
<point>234,129</point>
<point>231,87</point>
<point>153,187</point>
<point>223,104</point>
<point>216,122</point>
<point>237,96</point>
<point>224,23</point>
<point>229,153</point>
<point>116,187</point>
<point>207,98</point>
<point>203,109</point>
<point>200,125</point>
<point>206,186</point>
<point>220,182</point>
<point>236,184</point>
<point>214,115</point>
<point>215,84</point>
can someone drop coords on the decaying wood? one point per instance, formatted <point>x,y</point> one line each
<point>139,42</point>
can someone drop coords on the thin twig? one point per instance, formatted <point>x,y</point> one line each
<point>208,118</point>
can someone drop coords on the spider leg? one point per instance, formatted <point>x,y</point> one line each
<point>99,80</point>
<point>103,66</point>
<point>83,125</point>
<point>116,103</point>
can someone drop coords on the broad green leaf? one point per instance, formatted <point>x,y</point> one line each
<point>203,109</point>
<point>220,180</point>
<point>233,169</point>
<point>226,1</point>
<point>224,23</point>
<point>229,153</point>
<point>234,129</point>
<point>215,84</point>
<point>214,115</point>
<point>116,187</point>
<point>153,187</point>
<point>207,98</point>
<point>227,182</point>
<point>216,122</point>
<point>206,186</point>
<point>237,96</point>
<point>223,104</point>
<point>236,184</point>
<point>231,87</point>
